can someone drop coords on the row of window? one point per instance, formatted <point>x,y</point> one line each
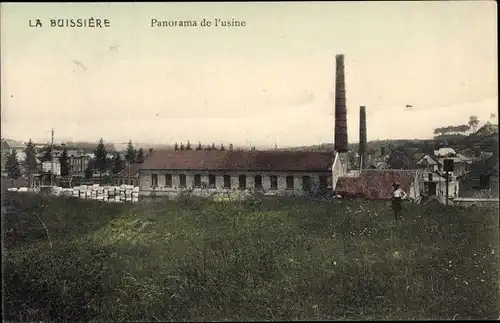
<point>126,181</point>
<point>242,181</point>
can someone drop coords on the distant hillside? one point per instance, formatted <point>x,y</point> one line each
<point>484,139</point>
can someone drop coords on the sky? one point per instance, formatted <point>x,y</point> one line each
<point>269,82</point>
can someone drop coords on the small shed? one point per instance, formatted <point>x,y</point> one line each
<point>128,175</point>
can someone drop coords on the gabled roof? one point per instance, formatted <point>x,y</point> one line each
<point>427,160</point>
<point>374,184</point>
<point>239,160</point>
<point>445,152</point>
<point>132,171</point>
<point>15,143</point>
<point>5,145</point>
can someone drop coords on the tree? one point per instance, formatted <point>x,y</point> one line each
<point>89,171</point>
<point>176,146</point>
<point>230,147</point>
<point>151,151</point>
<point>182,146</point>
<point>30,162</point>
<point>188,146</point>
<point>47,156</point>
<point>438,131</point>
<point>473,122</point>
<point>463,128</point>
<point>199,146</point>
<point>118,163</point>
<point>213,146</point>
<point>222,148</point>
<point>63,160</point>
<point>12,165</point>
<point>140,157</point>
<point>101,161</point>
<point>130,154</point>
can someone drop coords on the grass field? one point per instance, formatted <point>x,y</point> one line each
<point>271,259</point>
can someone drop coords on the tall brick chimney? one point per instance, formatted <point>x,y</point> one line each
<point>340,140</point>
<point>362,137</point>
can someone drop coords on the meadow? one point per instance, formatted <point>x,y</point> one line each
<point>263,259</point>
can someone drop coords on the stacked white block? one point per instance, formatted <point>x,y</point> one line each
<point>115,194</point>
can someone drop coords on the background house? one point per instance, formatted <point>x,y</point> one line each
<point>428,163</point>
<point>481,180</point>
<point>434,184</point>
<point>129,175</point>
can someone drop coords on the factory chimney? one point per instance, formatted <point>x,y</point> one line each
<point>340,140</point>
<point>362,138</point>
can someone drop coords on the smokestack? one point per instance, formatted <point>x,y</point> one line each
<point>340,107</point>
<point>362,136</point>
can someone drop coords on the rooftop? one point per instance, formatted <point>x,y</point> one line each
<point>240,160</point>
<point>132,171</point>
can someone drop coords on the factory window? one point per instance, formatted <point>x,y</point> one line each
<point>484,182</point>
<point>182,180</point>
<point>258,181</point>
<point>274,182</point>
<point>168,180</point>
<point>289,182</point>
<point>306,183</point>
<point>227,181</point>
<point>197,180</point>
<point>154,180</point>
<point>323,182</point>
<point>211,180</point>
<point>243,182</point>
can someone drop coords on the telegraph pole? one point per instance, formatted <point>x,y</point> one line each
<point>447,185</point>
<point>52,160</point>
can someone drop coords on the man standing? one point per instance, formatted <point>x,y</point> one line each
<point>398,195</point>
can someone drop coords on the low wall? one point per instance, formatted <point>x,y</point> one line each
<point>470,201</point>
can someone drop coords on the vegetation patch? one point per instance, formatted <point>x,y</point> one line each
<point>266,259</point>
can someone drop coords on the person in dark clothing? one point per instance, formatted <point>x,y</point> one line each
<point>398,195</point>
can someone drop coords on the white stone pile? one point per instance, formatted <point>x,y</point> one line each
<point>114,194</point>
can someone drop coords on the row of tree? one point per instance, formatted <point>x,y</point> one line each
<point>30,164</point>
<point>100,162</point>
<point>201,147</point>
<point>460,129</point>
<point>116,164</point>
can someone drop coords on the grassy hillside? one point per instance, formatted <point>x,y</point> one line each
<point>271,259</point>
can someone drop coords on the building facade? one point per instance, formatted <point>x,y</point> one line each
<point>434,184</point>
<point>169,173</point>
<point>78,162</point>
<point>374,184</point>
<point>129,176</point>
